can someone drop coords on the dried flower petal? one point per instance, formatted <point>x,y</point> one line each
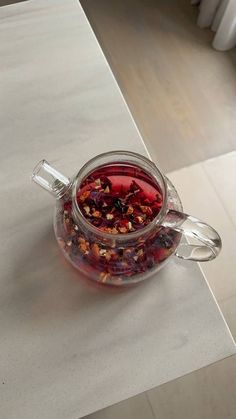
<point>97,182</point>
<point>96,214</point>
<point>122,229</point>
<point>134,187</point>
<point>105,181</point>
<point>130,225</point>
<point>95,250</point>
<point>139,219</point>
<point>109,216</point>
<point>104,276</point>
<point>108,255</point>
<point>107,189</point>
<point>146,210</point>
<point>84,196</point>
<point>114,231</point>
<point>140,252</point>
<point>87,209</point>
<point>83,247</point>
<point>130,210</point>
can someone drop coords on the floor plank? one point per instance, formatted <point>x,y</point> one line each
<point>200,199</point>
<point>136,407</point>
<point>222,174</point>
<point>208,393</point>
<point>180,91</point>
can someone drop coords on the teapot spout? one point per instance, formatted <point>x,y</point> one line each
<point>50,179</point>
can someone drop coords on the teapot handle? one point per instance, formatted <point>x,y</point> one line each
<point>209,240</point>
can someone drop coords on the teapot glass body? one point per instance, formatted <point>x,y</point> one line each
<point>119,220</point>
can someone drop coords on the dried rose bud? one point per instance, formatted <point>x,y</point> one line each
<point>83,247</point>
<point>139,219</point>
<point>146,210</point>
<point>130,225</point>
<point>123,229</point>
<point>108,255</point>
<point>104,276</point>
<point>107,189</point>
<point>109,216</point>
<point>114,231</point>
<point>105,181</point>
<point>97,182</point>
<point>95,250</point>
<point>130,210</point>
<point>140,252</point>
<point>97,214</point>
<point>87,209</point>
<point>84,196</point>
<point>102,252</point>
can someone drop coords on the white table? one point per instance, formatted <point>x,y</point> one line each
<point>68,349</point>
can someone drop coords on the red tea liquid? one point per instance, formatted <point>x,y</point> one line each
<point>119,199</point>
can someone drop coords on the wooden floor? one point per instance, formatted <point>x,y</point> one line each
<point>180,91</point>
<point>7,2</point>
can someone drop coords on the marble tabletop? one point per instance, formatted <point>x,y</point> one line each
<point>67,348</point>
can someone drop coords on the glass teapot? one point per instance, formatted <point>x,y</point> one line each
<point>120,219</point>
